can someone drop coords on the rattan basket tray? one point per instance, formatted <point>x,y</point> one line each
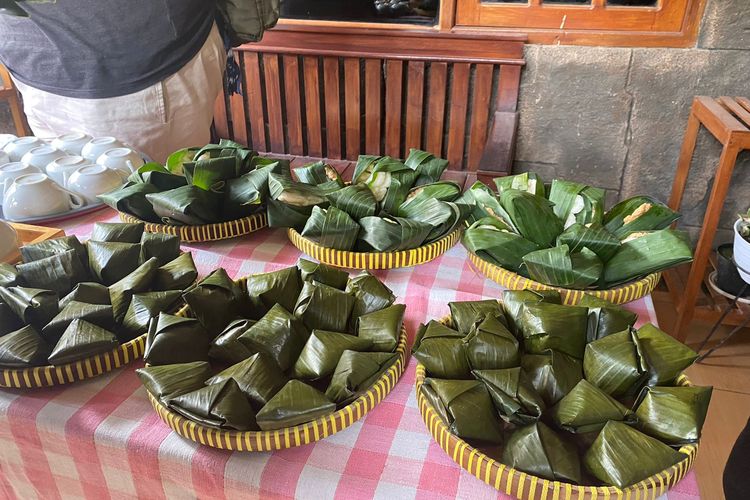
<point>206,232</point>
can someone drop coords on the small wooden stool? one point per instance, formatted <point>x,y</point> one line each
<point>728,120</point>
<point>9,94</point>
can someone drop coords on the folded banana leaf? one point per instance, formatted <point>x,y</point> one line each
<point>156,175</point>
<point>322,273</point>
<point>557,266</point>
<point>8,275</point>
<point>322,307</point>
<point>357,200</point>
<point>176,160</point>
<point>59,273</point>
<point>33,306</point>
<point>527,181</point>
<point>187,205</point>
<point>594,237</point>
<point>370,294</point>
<point>332,228</point>
<point>132,200</point>
<point>211,174</point>
<point>23,348</point>
<point>428,166</point>
<point>318,173</point>
<point>587,408</point>
<point>538,450</point>
<point>48,248</point>
<point>532,216</point>
<point>177,274</point>
<point>612,364</point>
<point>468,408</point>
<point>277,287</point>
<point>466,314</point>
<point>567,200</point>
<point>215,301</point>
<point>296,194</point>
<point>143,307</point>
<point>553,326</point>
<point>226,347</point>
<point>418,198</point>
<point>283,215</point>
<point>247,194</point>
<point>296,403</point>
<point>88,292</point>
<point>278,334</point>
<point>110,262</point>
<point>648,253</point>
<point>513,395</point>
<point>9,322</point>
<point>165,247</point>
<point>664,356</point>
<point>174,339</point>
<point>593,206</point>
<point>355,373</point>
<point>258,377</point>
<point>553,374</point>
<point>376,172</point>
<point>442,351</point>
<point>492,240</point>
<point>382,327</point>
<point>99,315</point>
<point>639,213</point>
<point>621,456</point>
<point>138,281</point>
<point>116,232</point>
<point>391,234</point>
<point>443,216</point>
<point>674,415</point>
<point>221,405</point>
<point>605,318</point>
<point>168,381</point>
<point>489,345</point>
<point>486,204</point>
<point>322,351</point>
<point>81,340</point>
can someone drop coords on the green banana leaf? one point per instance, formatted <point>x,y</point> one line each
<point>143,307</point>
<point>442,351</point>
<point>674,415</point>
<point>396,186</point>
<point>649,253</point>
<point>418,197</point>
<point>176,160</point>
<point>48,248</point>
<point>165,247</point>
<point>587,408</point>
<point>612,364</point>
<point>215,301</point>
<point>296,194</point>
<point>174,339</point>
<point>553,326</point>
<point>664,356</point>
<point>382,327</point>
<point>356,200</point>
<point>283,215</point>
<point>527,181</point>
<point>322,351</point>
<point>593,206</point>
<point>211,174</point>
<point>111,262</point>
<point>557,266</point>
<point>296,403</point>
<point>567,199</point>
<point>33,306</point>
<point>553,374</point>
<point>82,340</point>
<point>132,200</point>
<point>491,346</point>
<point>538,450</point>
<point>392,234</point>
<point>465,314</point>
<point>88,292</point>
<point>220,405</point>
<point>138,281</point>
<point>355,373</point>
<point>167,381</point>
<point>532,216</point>
<point>490,239</point>
<point>176,274</point>
<point>9,322</point>
<point>187,205</point>
<point>594,237</point>
<point>321,307</point>
<point>258,377</point>
<point>277,287</point>
<point>443,216</point>
<point>486,204</point>
<point>23,348</point>
<point>247,194</point>
<point>605,318</point>
<point>59,273</point>
<point>513,395</point>
<point>639,213</point>
<point>99,315</point>
<point>157,176</point>
<point>8,275</point>
<point>322,273</point>
<point>116,232</point>
<point>370,295</point>
<point>332,228</point>
<point>318,173</point>
<point>226,348</point>
<point>278,334</point>
<point>429,167</point>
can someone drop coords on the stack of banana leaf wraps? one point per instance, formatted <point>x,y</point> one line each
<point>560,235</point>
<point>68,300</point>
<point>566,393</point>
<point>216,183</point>
<point>391,205</point>
<point>291,346</point>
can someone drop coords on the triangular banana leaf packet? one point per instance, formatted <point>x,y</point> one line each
<point>278,334</point>
<point>639,213</point>
<point>138,281</point>
<point>552,374</point>
<point>132,200</point>
<point>165,247</point>
<point>382,327</point>
<point>647,252</point>
<point>99,315</point>
<point>558,266</point>
<point>110,262</point>
<point>9,322</point>
<point>8,275</point>
<point>59,272</point>
<point>322,273</point>
<point>322,307</point>
<point>221,405</point>
<point>282,215</point>
<point>494,241</point>
<point>291,203</point>
<point>186,205</point>
<point>468,408</point>
<point>174,339</point>
<point>177,274</point>
<point>391,234</point>
<point>167,381</point>
<point>23,348</point>
<point>227,348</point>
<point>89,292</point>
<point>418,198</point>
<point>429,167</point>
<point>527,181</point>
<point>143,307</point>
<point>277,287</point>
<point>33,306</point>
<point>606,318</point>
<point>370,294</point>
<point>116,232</point>
<point>594,237</point>
<point>486,204</point>
<point>621,456</point>
<point>356,200</point>
<point>513,394</point>
<point>247,194</point>
<point>538,450</point>
<point>157,176</point>
<point>489,345</point>
<point>257,376</point>
<point>318,173</point>
<point>586,408</point>
<point>554,326</point>
<point>215,301</point>
<point>331,228</point>
<point>81,340</point>
<point>442,351</point>
<point>674,415</point>
<point>613,364</point>
<point>664,356</point>
<point>513,301</point>
<point>48,248</point>
<point>355,373</point>
<point>567,200</point>
<point>465,314</point>
<point>532,216</point>
<point>296,403</point>
<point>322,351</point>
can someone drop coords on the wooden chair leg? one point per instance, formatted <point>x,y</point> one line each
<point>684,161</point>
<point>19,120</point>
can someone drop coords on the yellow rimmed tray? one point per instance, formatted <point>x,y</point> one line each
<point>622,294</point>
<point>205,232</point>
<point>374,260</point>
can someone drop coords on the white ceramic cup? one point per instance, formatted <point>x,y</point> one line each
<point>6,138</point>
<point>741,253</point>
<point>19,147</point>
<point>98,145</point>
<point>8,240</point>
<point>71,143</point>
<point>41,156</point>
<point>93,180</point>
<point>11,171</point>
<point>124,159</point>
<point>61,169</point>
<point>36,195</point>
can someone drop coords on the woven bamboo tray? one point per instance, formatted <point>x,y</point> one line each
<point>619,295</point>
<point>205,232</point>
<point>374,260</point>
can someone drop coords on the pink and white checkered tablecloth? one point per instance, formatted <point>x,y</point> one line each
<point>101,439</point>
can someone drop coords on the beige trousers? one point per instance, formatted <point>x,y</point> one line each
<point>167,116</point>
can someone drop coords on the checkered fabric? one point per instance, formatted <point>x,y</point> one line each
<point>101,439</point>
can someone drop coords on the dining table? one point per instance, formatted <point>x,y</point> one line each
<point>100,438</point>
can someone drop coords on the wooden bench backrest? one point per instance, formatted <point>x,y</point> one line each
<point>339,94</point>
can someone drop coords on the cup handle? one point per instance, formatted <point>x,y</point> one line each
<point>76,200</point>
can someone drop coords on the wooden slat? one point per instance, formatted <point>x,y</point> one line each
<point>312,107</point>
<point>737,110</point>
<point>414,96</point>
<point>221,123</point>
<point>393,93</point>
<point>372,106</point>
<point>293,109</point>
<point>480,108</point>
<point>507,92</point>
<point>254,100</point>
<point>273,102</point>
<point>436,107</point>
<point>500,145</point>
<point>458,111</point>
<point>351,107</point>
<point>333,107</point>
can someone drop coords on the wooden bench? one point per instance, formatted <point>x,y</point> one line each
<point>335,95</point>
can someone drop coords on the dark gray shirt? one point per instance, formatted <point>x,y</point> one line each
<point>103,48</point>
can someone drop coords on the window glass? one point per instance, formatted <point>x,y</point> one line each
<point>378,11</point>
